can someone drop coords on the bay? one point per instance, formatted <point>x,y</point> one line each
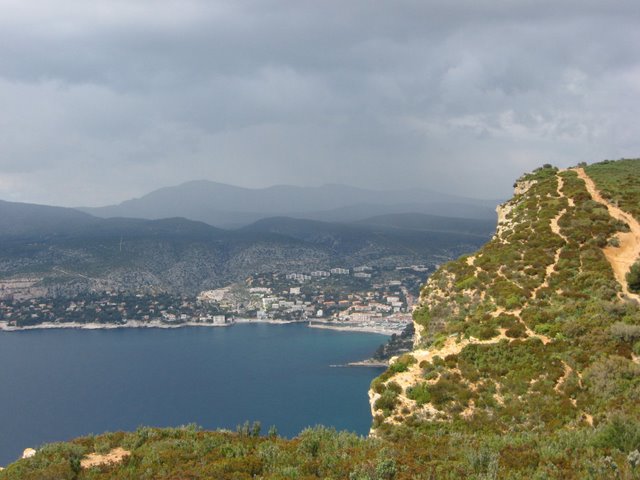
<point>56,385</point>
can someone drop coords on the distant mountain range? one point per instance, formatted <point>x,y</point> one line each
<point>70,250</point>
<point>229,206</point>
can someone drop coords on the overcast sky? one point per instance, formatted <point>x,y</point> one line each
<point>101,101</point>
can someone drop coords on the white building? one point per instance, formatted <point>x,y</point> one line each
<point>269,302</point>
<point>264,290</point>
<point>362,268</point>
<point>362,275</point>
<point>300,277</point>
<point>320,273</point>
<point>169,317</point>
<point>340,271</point>
<point>360,317</point>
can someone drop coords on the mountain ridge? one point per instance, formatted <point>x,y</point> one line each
<point>227,205</point>
<point>187,256</point>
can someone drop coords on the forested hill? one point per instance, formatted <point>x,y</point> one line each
<point>526,365</point>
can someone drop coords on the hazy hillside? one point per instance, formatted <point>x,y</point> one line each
<point>354,239</point>
<point>436,223</point>
<point>30,219</point>
<point>69,250</point>
<point>229,206</point>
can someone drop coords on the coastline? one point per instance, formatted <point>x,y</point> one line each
<point>267,322</point>
<point>131,324</point>
<point>354,328</point>
<point>106,326</point>
<point>4,327</point>
<point>369,363</point>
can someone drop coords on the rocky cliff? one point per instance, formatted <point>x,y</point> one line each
<point>536,330</point>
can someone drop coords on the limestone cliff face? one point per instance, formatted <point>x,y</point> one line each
<point>504,211</point>
<point>496,331</point>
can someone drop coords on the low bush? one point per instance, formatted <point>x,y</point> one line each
<point>620,432</point>
<point>625,332</point>
<point>633,277</point>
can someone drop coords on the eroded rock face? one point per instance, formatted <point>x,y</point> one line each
<point>505,210</point>
<point>521,187</point>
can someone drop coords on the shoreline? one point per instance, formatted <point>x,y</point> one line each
<point>4,327</point>
<point>132,324</point>
<point>369,363</point>
<point>106,326</point>
<point>353,328</point>
<point>266,322</point>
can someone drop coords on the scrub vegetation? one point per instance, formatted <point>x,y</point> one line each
<point>603,452</point>
<point>618,182</point>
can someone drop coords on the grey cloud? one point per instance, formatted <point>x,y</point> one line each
<point>104,100</point>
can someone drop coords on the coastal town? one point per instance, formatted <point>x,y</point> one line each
<point>364,298</point>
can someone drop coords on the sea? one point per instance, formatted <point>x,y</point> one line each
<point>59,384</point>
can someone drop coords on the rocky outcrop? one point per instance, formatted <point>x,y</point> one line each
<point>28,453</point>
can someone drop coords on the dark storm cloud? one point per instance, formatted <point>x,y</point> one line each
<point>103,100</point>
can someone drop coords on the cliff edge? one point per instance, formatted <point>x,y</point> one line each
<point>538,329</point>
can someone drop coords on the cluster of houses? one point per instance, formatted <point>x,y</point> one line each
<point>108,308</point>
<point>358,272</point>
<point>299,297</point>
<point>322,295</point>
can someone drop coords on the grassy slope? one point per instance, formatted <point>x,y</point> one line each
<point>542,384</point>
<point>618,181</point>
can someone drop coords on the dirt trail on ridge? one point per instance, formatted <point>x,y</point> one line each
<point>115,456</point>
<point>555,228</point>
<point>621,258</point>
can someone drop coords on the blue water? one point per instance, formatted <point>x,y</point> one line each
<point>59,384</point>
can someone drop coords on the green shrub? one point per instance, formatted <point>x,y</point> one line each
<point>394,387</point>
<point>484,331</point>
<point>387,402</point>
<point>468,283</point>
<point>419,393</point>
<point>633,277</point>
<point>402,364</point>
<point>621,433</point>
<point>625,332</point>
